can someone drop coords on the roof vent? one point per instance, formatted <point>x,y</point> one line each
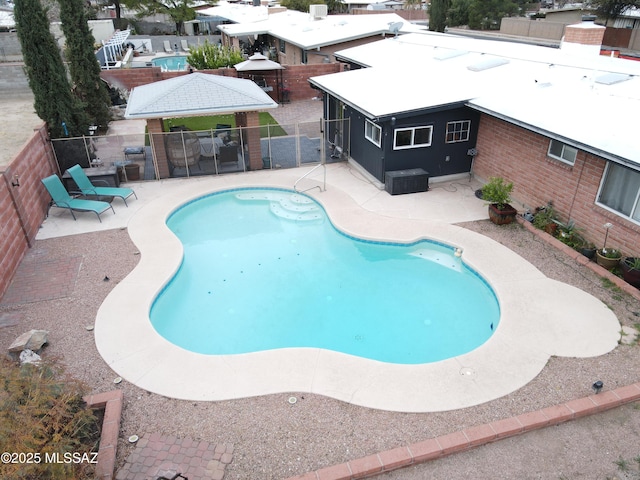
<point>318,11</point>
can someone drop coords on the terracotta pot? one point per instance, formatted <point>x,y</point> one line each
<point>606,262</point>
<point>630,275</point>
<point>502,216</point>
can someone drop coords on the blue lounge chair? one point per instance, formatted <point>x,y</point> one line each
<point>88,188</point>
<point>61,199</point>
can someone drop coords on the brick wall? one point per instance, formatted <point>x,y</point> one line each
<point>520,156</point>
<point>294,77</point>
<point>23,208</point>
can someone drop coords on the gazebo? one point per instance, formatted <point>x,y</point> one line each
<point>259,63</point>
<point>199,94</point>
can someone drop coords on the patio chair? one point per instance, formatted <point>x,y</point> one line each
<point>167,46</point>
<point>61,199</point>
<point>88,188</point>
<point>185,46</point>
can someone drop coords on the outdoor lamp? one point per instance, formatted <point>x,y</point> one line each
<point>597,386</point>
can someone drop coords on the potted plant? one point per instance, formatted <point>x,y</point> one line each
<point>630,267</point>
<point>588,249</point>
<point>498,195</point>
<point>545,219</point>
<point>608,257</point>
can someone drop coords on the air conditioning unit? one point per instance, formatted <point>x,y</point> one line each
<point>318,11</point>
<point>413,180</point>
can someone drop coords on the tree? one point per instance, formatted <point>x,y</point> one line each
<point>180,11</point>
<point>299,5</point>
<point>83,64</point>
<point>53,100</point>
<point>612,9</point>
<point>458,13</point>
<point>210,56</point>
<point>487,14</point>
<point>438,15</point>
<point>412,5</point>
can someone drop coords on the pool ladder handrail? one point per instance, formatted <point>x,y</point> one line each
<point>324,179</point>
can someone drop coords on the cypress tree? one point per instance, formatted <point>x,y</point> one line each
<point>83,64</point>
<point>53,100</point>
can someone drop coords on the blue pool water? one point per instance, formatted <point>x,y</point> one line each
<point>265,269</point>
<point>172,63</point>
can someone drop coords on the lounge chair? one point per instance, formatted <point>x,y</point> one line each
<point>167,46</point>
<point>61,199</point>
<point>88,188</point>
<point>185,46</point>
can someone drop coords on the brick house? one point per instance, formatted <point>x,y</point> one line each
<point>558,123</point>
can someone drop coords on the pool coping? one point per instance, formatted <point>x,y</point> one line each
<point>568,322</point>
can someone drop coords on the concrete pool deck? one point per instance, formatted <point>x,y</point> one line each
<point>568,323</point>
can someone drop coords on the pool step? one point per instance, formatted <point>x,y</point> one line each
<point>291,206</point>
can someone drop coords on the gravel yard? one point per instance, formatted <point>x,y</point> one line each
<point>274,439</point>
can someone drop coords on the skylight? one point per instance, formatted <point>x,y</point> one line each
<point>447,54</point>
<point>487,64</point>
<point>612,78</point>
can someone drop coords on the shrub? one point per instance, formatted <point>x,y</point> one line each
<point>42,412</point>
<point>497,192</point>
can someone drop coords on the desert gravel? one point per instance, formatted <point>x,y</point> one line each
<point>274,439</point>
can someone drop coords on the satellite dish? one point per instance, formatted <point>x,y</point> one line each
<point>395,27</point>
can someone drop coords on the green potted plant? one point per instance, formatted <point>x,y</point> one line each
<point>630,267</point>
<point>545,219</point>
<point>608,257</point>
<point>498,195</point>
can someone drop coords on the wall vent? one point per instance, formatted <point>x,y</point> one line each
<point>318,11</point>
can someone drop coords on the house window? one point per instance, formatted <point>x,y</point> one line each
<point>458,131</point>
<point>282,46</point>
<point>620,191</point>
<point>304,58</point>
<point>562,152</point>
<point>372,132</point>
<point>413,137</point>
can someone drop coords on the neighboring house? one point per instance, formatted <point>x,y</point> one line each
<point>294,38</point>
<point>560,124</point>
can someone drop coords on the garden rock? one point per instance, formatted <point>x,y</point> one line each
<point>29,356</point>
<point>31,340</point>
<point>629,335</point>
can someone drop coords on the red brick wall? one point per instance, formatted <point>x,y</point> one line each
<point>294,77</point>
<point>23,208</point>
<point>520,156</point>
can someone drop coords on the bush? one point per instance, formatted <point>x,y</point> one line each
<point>497,192</point>
<point>43,413</point>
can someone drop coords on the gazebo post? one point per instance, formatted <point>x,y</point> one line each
<point>155,126</point>
<point>251,121</point>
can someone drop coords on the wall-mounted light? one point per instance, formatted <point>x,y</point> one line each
<point>16,181</point>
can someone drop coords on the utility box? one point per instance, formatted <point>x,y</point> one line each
<point>413,180</point>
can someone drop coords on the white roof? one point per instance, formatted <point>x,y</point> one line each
<point>197,94</point>
<point>335,29</point>
<point>590,100</point>
<point>237,13</point>
<point>303,30</point>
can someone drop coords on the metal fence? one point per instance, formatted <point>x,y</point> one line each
<point>218,150</point>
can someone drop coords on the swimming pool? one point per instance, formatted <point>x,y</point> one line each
<point>171,63</point>
<point>567,323</point>
<point>265,269</point>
